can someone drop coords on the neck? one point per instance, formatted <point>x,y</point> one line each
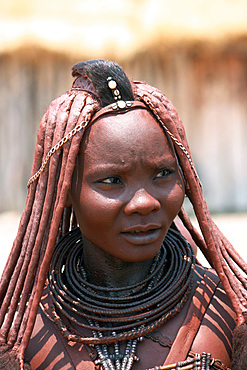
<point>105,270</point>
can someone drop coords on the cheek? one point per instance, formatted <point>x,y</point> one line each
<point>176,197</point>
<point>93,209</point>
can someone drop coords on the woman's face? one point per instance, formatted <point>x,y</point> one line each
<point>126,188</point>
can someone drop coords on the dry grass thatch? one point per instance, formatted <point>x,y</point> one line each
<point>113,28</point>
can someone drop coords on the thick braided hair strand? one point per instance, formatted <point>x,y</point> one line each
<point>27,266</point>
<point>217,249</point>
<point>46,218</point>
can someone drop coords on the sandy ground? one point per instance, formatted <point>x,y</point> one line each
<point>234,226</point>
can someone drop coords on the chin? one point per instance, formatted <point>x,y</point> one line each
<point>143,254</point>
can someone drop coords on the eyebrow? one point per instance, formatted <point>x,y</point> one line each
<point>122,166</point>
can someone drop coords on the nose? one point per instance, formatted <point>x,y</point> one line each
<point>142,202</point>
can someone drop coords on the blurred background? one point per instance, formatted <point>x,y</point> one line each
<point>195,51</point>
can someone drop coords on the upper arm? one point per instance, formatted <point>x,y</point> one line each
<point>215,333</point>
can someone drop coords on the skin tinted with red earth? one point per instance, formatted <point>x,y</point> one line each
<point>126,191</point>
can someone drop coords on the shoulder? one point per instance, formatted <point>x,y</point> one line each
<point>48,349</point>
<point>208,322</point>
<point>215,332</point>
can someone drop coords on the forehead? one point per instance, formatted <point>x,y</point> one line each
<point>135,131</point>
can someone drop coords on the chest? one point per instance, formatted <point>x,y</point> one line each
<point>198,327</point>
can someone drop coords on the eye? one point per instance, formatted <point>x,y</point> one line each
<point>111,181</point>
<point>163,173</point>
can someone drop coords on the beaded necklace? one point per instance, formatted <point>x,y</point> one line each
<point>124,314</point>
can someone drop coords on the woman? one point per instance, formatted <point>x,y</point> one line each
<point>121,290</point>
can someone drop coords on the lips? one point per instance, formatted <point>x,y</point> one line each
<point>142,234</point>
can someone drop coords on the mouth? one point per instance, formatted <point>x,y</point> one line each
<point>142,235</point>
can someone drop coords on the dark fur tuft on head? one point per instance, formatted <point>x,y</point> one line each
<point>97,71</point>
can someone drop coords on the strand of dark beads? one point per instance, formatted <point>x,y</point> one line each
<point>208,361</point>
<point>204,358</point>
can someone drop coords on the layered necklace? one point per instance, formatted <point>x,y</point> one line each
<point>118,315</point>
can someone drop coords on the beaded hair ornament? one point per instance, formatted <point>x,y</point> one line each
<point>120,106</point>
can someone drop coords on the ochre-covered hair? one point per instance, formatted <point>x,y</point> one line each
<point>46,218</point>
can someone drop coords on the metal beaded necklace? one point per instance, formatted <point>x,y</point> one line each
<point>117,315</point>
